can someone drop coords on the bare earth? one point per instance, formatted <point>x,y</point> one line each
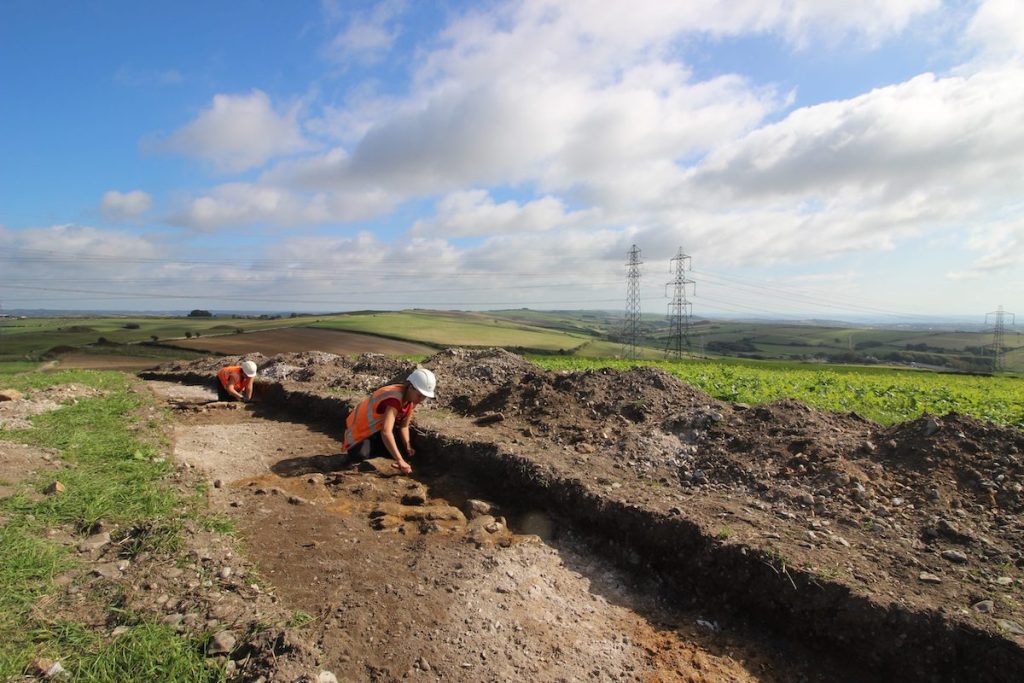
<point>600,525</point>
<point>303,339</point>
<point>417,591</point>
<point>899,548</point>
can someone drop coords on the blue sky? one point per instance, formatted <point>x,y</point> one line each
<point>814,158</point>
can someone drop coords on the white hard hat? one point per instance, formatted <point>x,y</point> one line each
<point>249,368</point>
<point>423,381</point>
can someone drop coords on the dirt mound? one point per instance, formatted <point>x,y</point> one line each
<point>961,462</point>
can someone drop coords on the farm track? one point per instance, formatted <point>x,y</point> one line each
<point>694,571</point>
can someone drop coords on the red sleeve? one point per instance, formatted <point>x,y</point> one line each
<point>392,402</point>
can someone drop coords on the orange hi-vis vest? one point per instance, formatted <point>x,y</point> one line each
<point>232,376</point>
<point>364,421</point>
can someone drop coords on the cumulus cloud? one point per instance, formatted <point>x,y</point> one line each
<point>474,212</point>
<point>605,99</point>
<point>926,132</point>
<point>607,117</point>
<point>239,204</point>
<point>66,260</point>
<point>997,29</point>
<point>74,241</point>
<point>604,112</point>
<point>125,205</point>
<point>239,132</point>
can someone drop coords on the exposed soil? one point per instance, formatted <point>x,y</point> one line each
<point>900,548</point>
<point>599,525</point>
<point>14,413</point>
<point>407,578</point>
<point>296,339</point>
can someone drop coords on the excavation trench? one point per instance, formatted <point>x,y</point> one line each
<point>683,568</point>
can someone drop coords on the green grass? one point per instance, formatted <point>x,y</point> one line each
<point>14,367</point>
<point>884,395</point>
<point>114,477</point>
<point>145,653</point>
<point>456,329</point>
<point>29,338</point>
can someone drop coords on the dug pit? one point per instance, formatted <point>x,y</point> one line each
<point>746,522</point>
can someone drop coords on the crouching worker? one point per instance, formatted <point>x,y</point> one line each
<point>370,427</point>
<point>234,382</point>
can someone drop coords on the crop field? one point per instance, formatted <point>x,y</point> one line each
<point>32,337</point>
<point>439,328</point>
<point>886,396</point>
<point>270,342</point>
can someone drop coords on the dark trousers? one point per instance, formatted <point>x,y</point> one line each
<point>371,447</point>
<point>222,393</point>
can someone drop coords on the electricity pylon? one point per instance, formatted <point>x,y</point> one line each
<point>631,324</point>
<point>679,308</point>
<point>997,347</point>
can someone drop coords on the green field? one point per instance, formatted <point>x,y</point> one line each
<point>442,328</point>
<point>33,338</point>
<point>589,334</point>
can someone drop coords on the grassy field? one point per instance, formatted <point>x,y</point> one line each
<point>588,334</point>
<point>117,474</point>
<point>441,328</point>
<point>32,337</point>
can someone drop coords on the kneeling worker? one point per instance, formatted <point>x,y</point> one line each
<point>234,382</point>
<point>369,428</point>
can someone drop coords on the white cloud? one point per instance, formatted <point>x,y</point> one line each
<point>239,204</point>
<point>76,241</point>
<point>926,133</point>
<point>239,132</point>
<point>368,36</point>
<point>125,205</point>
<point>997,29</point>
<point>604,112</point>
<point>474,212</point>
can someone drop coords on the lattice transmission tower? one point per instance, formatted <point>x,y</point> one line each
<point>679,308</point>
<point>998,347</point>
<point>631,324</point>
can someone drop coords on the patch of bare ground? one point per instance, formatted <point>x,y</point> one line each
<point>16,408</point>
<point>298,339</point>
<point>898,547</point>
<point>19,462</point>
<point>410,579</point>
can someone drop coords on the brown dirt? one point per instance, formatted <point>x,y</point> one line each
<point>899,548</point>
<point>295,339</point>
<point>19,462</point>
<point>402,584</point>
